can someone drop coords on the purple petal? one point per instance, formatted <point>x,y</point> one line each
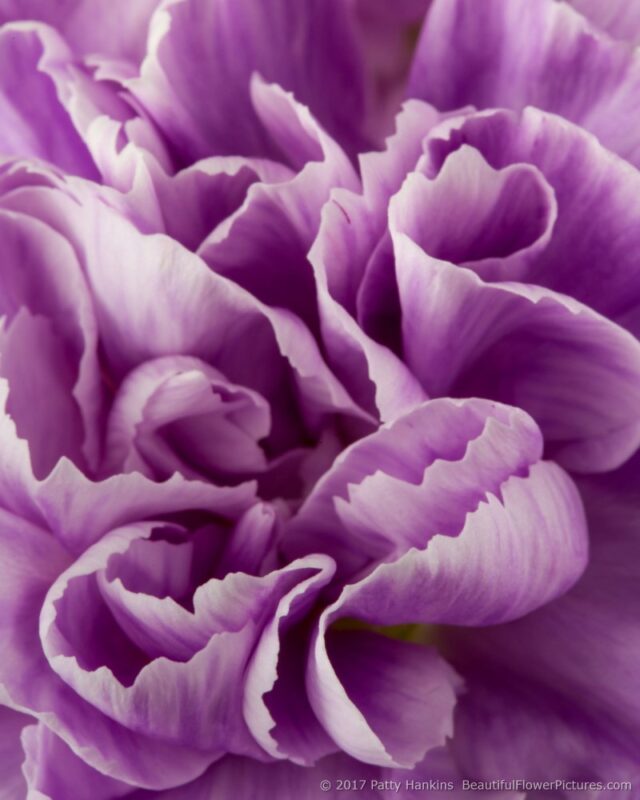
<point>481,576</point>
<point>352,226</point>
<point>35,120</point>
<point>245,779</point>
<point>575,372</point>
<point>79,511</point>
<point>485,573</point>
<point>472,472</point>
<point>50,326</point>
<point>54,771</point>
<point>30,683</point>
<point>110,671</point>
<point>383,701</point>
<point>329,778</point>
<point>149,588</point>
<point>496,222</point>
<point>509,728</point>
<point>32,561</point>
<point>264,245</point>
<point>307,49</point>
<point>171,303</point>
<point>12,724</point>
<point>373,375</point>
<point>354,222</point>
<point>106,27</point>
<point>83,120</point>
<point>197,200</point>
<point>414,478</point>
<point>542,54</point>
<point>276,707</point>
<point>179,414</point>
<point>585,178</point>
<point>577,702</point>
<point>619,18</point>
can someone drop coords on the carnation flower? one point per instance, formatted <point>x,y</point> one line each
<point>320,385</point>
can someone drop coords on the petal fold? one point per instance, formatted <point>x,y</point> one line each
<point>542,54</point>
<point>309,50</point>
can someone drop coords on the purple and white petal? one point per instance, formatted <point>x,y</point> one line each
<point>383,701</point>
<point>413,479</point>
<point>178,414</point>
<point>310,50</point>
<point>36,122</point>
<point>542,54</point>
<point>276,706</point>
<point>205,650</point>
<point>619,18</point>
<point>576,702</point>
<point>264,245</point>
<point>574,371</point>
<point>53,771</point>
<point>103,27</point>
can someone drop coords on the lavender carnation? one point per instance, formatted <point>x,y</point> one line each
<point>320,388</point>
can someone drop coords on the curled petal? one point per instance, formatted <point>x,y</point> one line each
<point>574,371</point>
<point>481,576</point>
<point>593,263</point>
<point>503,218</point>
<point>542,54</point>
<point>484,574</point>
<point>195,201</point>
<point>414,478</point>
<point>385,702</point>
<point>276,707</point>
<point>577,703</point>
<point>33,559</point>
<point>351,229</point>
<point>180,414</point>
<point>309,50</point>
<point>264,245</point>
<point>354,222</point>
<point>171,303</point>
<point>202,653</point>
<point>78,511</point>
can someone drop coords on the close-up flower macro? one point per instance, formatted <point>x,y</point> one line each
<point>320,399</point>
